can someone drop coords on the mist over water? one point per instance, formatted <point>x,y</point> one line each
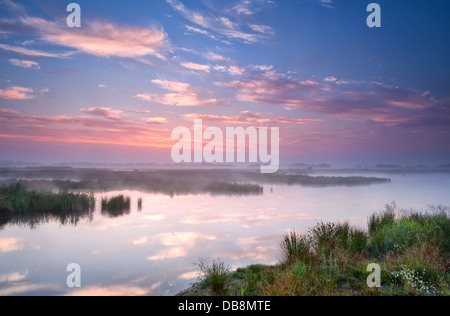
<point>151,250</point>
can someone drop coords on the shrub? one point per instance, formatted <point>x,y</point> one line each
<point>358,240</point>
<point>396,237</point>
<point>322,237</point>
<point>409,230</point>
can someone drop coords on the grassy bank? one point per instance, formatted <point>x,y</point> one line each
<point>412,249</point>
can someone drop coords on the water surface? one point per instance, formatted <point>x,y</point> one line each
<point>151,251</point>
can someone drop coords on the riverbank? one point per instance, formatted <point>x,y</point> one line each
<point>412,250</point>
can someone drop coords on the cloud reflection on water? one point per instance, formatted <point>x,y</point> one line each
<point>178,244</point>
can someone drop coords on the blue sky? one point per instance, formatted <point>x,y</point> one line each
<point>113,90</point>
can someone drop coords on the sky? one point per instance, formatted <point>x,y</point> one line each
<point>113,90</point>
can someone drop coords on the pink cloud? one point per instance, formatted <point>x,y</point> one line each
<point>264,82</point>
<point>103,112</point>
<point>184,99</point>
<point>25,63</point>
<point>193,66</point>
<point>181,94</point>
<point>96,129</point>
<point>113,290</point>
<point>173,85</point>
<point>248,118</point>
<point>349,100</point>
<point>155,120</point>
<point>11,244</point>
<point>33,52</point>
<point>144,97</point>
<point>104,39</point>
<point>409,105</point>
<point>218,118</point>
<point>21,93</point>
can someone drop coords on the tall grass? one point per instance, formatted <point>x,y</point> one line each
<point>18,200</point>
<point>378,221</point>
<point>215,273</point>
<point>116,206</point>
<point>295,248</point>
<point>326,238</point>
<point>4,204</point>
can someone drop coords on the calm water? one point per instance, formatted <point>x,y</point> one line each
<point>150,252</point>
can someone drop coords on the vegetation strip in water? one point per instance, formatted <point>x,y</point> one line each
<point>18,205</point>
<point>17,199</point>
<point>173,182</point>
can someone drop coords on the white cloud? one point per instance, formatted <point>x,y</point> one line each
<point>223,26</point>
<point>194,66</point>
<point>25,63</point>
<point>214,56</point>
<point>243,8</point>
<point>197,30</point>
<point>330,79</point>
<point>326,3</point>
<point>263,29</point>
<point>32,52</point>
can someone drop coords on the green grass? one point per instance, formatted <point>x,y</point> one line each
<point>412,249</point>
